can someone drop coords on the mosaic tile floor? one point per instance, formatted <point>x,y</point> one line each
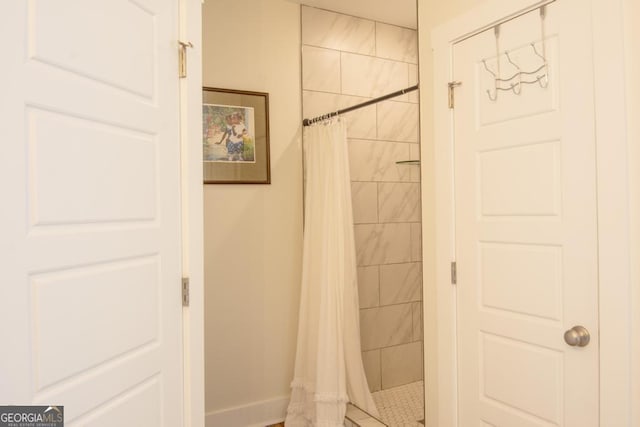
<point>401,406</point>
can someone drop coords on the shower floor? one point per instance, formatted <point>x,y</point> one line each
<point>399,407</point>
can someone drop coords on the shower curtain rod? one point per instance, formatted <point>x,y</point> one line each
<point>309,122</point>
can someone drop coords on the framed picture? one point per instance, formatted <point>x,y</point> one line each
<point>235,143</point>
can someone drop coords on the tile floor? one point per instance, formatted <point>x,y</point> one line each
<point>401,406</point>
<point>356,417</point>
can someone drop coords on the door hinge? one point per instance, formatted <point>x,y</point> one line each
<point>185,292</point>
<point>452,86</point>
<point>454,273</point>
<point>182,58</point>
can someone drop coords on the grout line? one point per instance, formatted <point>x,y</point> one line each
<point>394,346</point>
<point>378,203</point>
<point>396,263</point>
<point>349,52</point>
<point>383,223</point>
<point>390,305</point>
<point>376,122</point>
<point>413,323</point>
<point>390,182</point>
<point>400,263</point>
<point>358,17</point>
<point>375,38</point>
<point>383,140</point>
<point>411,244</point>
<point>380,365</point>
<point>362,97</point>
<point>378,276</point>
<point>333,93</point>
<point>341,91</point>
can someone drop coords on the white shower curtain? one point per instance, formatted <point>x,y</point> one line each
<point>328,368</point>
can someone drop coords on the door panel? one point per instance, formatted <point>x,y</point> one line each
<point>91,225</point>
<point>525,209</point>
<point>91,47</point>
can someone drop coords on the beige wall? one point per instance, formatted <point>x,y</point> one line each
<point>253,233</point>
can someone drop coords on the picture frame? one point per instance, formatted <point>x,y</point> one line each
<point>235,140</point>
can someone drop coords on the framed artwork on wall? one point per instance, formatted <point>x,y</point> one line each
<point>235,136</point>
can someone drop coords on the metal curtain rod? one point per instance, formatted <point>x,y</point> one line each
<point>309,122</point>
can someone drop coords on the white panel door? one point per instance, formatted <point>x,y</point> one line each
<point>525,218</point>
<point>90,223</point>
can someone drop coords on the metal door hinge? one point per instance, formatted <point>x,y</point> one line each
<point>452,86</point>
<point>454,273</point>
<point>182,58</point>
<point>185,292</point>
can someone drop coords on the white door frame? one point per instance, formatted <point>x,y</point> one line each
<point>192,213</point>
<point>613,207</point>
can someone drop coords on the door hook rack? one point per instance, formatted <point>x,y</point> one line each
<point>539,75</point>
<point>513,83</point>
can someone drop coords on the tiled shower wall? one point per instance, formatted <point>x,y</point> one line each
<point>345,61</point>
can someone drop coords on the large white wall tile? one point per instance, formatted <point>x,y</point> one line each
<point>400,283</point>
<point>414,154</point>
<point>382,243</point>
<point>361,123</point>
<point>368,286</point>
<point>372,77</point>
<point>371,362</point>
<point>397,121</point>
<point>336,31</point>
<point>386,326</point>
<point>417,321</point>
<point>320,69</point>
<point>400,44</point>
<point>376,161</point>
<point>414,151</point>
<point>318,103</point>
<point>416,242</point>
<point>413,80</point>
<point>401,364</point>
<point>399,202</point>
<point>364,196</point>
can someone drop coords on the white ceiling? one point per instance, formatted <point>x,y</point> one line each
<point>397,12</point>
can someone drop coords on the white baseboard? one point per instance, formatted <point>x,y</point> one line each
<point>257,414</point>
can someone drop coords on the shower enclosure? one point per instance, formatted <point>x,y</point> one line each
<point>345,61</point>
